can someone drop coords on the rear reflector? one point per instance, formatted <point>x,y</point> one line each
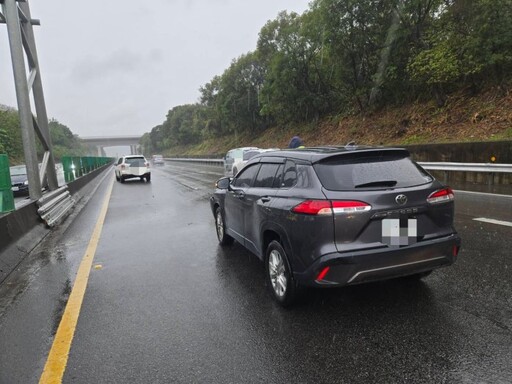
<point>350,206</point>
<point>328,207</point>
<point>442,196</point>
<point>455,250</point>
<point>322,273</point>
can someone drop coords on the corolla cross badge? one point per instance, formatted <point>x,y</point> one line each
<point>401,199</point>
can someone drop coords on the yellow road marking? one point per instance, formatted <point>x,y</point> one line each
<point>58,357</point>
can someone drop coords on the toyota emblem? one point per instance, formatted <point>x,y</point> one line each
<point>401,199</point>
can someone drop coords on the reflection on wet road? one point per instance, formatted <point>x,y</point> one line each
<point>170,305</point>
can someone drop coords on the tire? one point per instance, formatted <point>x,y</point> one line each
<point>220,227</point>
<point>121,178</point>
<point>117,177</point>
<point>148,178</point>
<point>278,275</point>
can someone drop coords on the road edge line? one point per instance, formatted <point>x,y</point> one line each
<point>56,362</point>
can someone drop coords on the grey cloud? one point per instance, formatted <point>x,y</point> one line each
<point>116,63</point>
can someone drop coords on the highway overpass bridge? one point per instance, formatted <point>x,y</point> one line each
<point>101,142</point>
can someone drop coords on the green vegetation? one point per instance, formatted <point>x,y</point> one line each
<point>345,58</point>
<point>65,143</point>
<point>10,136</point>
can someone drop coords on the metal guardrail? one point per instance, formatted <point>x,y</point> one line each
<point>55,206</point>
<point>219,162</point>
<point>468,167</point>
<point>434,166</point>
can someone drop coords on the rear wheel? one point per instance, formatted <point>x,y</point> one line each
<point>222,236</point>
<point>117,177</point>
<point>121,178</point>
<point>279,276</point>
<point>148,178</point>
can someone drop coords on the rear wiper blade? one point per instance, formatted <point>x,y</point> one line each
<point>381,183</point>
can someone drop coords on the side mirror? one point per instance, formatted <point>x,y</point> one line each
<point>223,183</point>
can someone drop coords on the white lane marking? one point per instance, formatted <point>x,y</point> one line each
<point>492,221</point>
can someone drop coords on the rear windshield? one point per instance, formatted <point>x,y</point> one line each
<point>344,173</point>
<point>135,161</point>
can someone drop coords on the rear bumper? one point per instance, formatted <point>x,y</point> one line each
<point>381,263</point>
<point>129,174</point>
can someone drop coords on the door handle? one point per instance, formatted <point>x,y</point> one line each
<point>265,199</point>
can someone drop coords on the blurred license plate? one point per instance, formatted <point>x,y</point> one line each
<point>15,189</point>
<point>396,232</point>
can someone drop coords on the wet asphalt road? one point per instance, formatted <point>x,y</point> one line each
<point>168,305</point>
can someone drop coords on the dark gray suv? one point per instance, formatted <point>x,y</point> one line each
<point>333,216</point>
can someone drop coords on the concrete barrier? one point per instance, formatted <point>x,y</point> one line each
<point>22,230</point>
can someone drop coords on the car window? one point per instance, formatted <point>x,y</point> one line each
<point>370,172</point>
<point>290,174</point>
<point>278,180</point>
<point>246,176</point>
<point>266,175</point>
<point>18,171</point>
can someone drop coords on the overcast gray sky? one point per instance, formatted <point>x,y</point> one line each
<point>116,67</point>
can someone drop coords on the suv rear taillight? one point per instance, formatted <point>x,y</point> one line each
<point>146,164</point>
<point>441,196</point>
<point>123,166</point>
<point>328,207</point>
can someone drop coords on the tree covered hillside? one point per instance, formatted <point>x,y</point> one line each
<point>63,140</point>
<point>349,58</point>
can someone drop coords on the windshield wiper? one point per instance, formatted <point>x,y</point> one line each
<point>382,183</point>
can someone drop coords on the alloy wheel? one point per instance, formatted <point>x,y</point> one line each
<point>220,226</point>
<point>277,273</point>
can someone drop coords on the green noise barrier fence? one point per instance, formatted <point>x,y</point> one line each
<point>75,167</point>
<point>6,196</point>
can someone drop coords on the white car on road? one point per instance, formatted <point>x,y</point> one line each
<point>247,155</point>
<point>129,167</point>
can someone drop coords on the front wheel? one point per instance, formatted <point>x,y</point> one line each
<point>222,236</point>
<point>279,277</point>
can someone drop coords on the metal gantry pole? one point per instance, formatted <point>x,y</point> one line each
<point>21,41</point>
<point>42,128</point>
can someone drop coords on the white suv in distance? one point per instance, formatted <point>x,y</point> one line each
<point>247,155</point>
<point>157,160</point>
<point>233,156</point>
<point>129,167</point>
